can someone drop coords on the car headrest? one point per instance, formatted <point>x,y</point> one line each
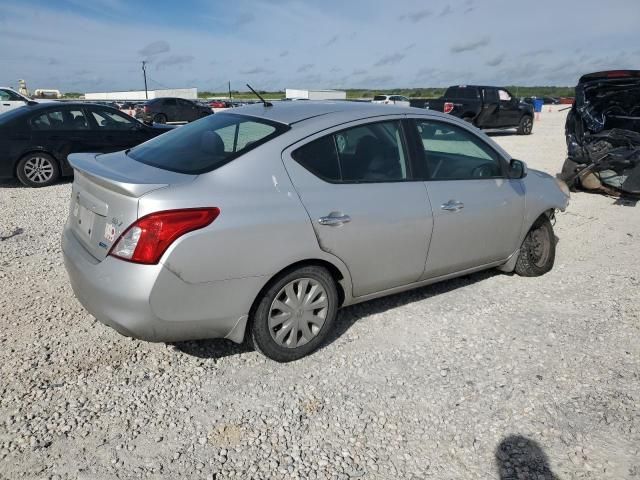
<point>211,143</point>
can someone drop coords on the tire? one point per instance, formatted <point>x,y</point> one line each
<point>278,333</point>
<point>160,118</point>
<point>525,127</point>
<point>38,170</point>
<point>538,251</point>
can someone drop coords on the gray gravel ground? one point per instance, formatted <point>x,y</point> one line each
<point>488,376</point>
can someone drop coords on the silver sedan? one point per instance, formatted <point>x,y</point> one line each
<point>265,220</point>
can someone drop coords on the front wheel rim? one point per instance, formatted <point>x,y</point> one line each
<point>527,126</point>
<point>38,169</point>
<point>298,312</point>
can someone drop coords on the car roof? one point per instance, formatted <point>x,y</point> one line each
<point>478,86</point>
<point>44,105</point>
<point>610,75</point>
<point>294,112</point>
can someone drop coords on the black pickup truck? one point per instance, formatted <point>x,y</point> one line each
<point>485,107</point>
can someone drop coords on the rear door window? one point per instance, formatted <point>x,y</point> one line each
<point>468,93</point>
<point>53,120</point>
<point>373,152</point>
<point>77,120</point>
<point>107,120</point>
<point>491,95</point>
<point>205,145</point>
<point>320,157</point>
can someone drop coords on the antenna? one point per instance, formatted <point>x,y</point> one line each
<point>144,72</point>
<point>266,104</point>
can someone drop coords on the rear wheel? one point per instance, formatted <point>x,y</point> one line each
<point>526,125</point>
<point>538,251</point>
<point>38,170</point>
<point>160,118</point>
<point>295,314</point>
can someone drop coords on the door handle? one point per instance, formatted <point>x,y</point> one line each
<point>452,206</point>
<point>6,104</point>
<point>334,219</point>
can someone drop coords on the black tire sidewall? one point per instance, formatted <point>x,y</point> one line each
<point>260,335</point>
<point>521,128</point>
<point>525,265</point>
<point>161,116</point>
<point>26,181</point>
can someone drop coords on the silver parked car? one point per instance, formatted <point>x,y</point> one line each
<point>265,220</point>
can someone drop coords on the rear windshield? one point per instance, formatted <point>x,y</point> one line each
<point>207,144</point>
<point>469,93</point>
<point>380,97</point>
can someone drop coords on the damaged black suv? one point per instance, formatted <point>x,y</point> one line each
<point>603,134</point>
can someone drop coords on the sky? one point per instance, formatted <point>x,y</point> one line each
<point>98,45</point>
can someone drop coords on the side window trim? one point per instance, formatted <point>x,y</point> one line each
<point>335,147</point>
<point>419,166</point>
<point>501,160</point>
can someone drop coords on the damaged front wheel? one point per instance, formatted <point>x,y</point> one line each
<point>538,251</point>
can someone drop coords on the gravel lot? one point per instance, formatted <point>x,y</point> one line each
<point>488,376</point>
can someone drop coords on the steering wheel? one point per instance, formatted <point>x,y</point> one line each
<point>484,170</point>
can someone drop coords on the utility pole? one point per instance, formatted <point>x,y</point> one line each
<point>230,99</point>
<point>144,72</point>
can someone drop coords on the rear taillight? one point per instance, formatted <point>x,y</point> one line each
<point>149,237</point>
<point>618,74</point>
<point>448,107</point>
<point>146,109</point>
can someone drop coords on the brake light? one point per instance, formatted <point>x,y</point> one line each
<point>448,107</point>
<point>146,109</point>
<point>149,237</point>
<point>618,74</point>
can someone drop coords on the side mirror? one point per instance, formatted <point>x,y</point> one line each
<point>517,169</point>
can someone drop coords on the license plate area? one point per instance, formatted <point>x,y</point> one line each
<point>84,219</point>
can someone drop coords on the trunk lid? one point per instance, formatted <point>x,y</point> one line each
<point>105,195</point>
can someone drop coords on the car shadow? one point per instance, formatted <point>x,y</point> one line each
<point>519,457</point>
<point>15,183</point>
<point>501,133</point>
<point>11,184</point>
<point>214,348</point>
<point>348,316</point>
<point>219,348</point>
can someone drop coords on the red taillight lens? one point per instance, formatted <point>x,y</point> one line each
<point>149,237</point>
<point>618,74</point>
<point>448,107</point>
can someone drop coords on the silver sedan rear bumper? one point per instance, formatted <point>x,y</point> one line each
<point>149,302</point>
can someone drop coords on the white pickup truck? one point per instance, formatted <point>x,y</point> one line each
<point>10,99</point>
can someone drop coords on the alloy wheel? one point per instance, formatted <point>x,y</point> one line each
<point>38,169</point>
